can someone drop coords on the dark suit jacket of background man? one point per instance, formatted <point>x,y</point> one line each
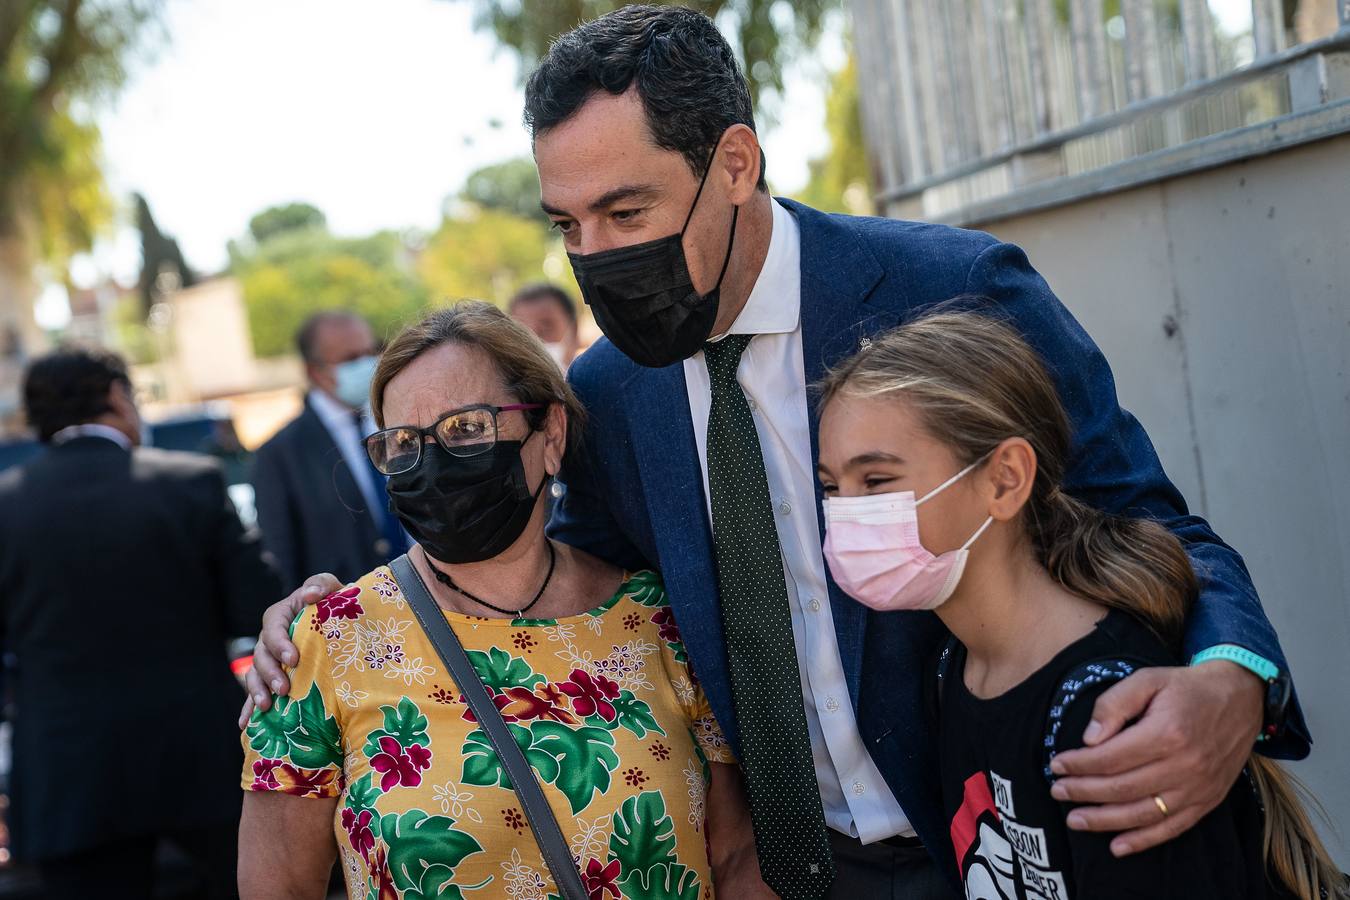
<point>636,497</point>
<point>122,576</point>
<point>312,514</point>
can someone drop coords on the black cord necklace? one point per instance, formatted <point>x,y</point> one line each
<point>519,614</point>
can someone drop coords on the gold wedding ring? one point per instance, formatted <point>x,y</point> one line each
<point>1162,807</point>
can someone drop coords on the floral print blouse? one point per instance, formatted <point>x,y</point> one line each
<point>603,703</point>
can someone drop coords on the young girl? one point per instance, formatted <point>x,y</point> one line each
<point>1050,602</point>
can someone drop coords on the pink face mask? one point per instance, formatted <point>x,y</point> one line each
<point>872,546</point>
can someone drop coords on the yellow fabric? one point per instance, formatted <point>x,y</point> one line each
<point>616,728</point>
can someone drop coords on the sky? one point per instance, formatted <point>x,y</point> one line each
<point>373,112</point>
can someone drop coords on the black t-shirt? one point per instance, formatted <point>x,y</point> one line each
<point>1010,835</point>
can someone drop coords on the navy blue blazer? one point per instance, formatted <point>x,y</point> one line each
<point>635,495</point>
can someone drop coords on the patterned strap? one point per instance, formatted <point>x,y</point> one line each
<point>537,812</point>
<point>1086,675</point>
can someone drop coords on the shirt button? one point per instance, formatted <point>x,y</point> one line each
<point>784,508</point>
<point>832,704</point>
<point>859,788</point>
<point>814,605</point>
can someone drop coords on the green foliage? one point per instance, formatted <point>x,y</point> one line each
<point>58,58</point>
<point>300,271</point>
<point>769,34</point>
<point>511,186</point>
<point>277,220</point>
<point>484,254</point>
<point>840,180</point>
<point>405,724</point>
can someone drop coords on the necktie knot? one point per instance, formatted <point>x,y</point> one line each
<point>724,356</point>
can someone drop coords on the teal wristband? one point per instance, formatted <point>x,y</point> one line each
<point>1253,662</point>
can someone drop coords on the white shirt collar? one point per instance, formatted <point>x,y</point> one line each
<point>107,432</point>
<point>334,415</point>
<point>775,302</point>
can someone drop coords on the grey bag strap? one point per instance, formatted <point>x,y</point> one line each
<point>553,845</point>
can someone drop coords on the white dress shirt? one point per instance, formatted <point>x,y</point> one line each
<point>107,432</point>
<point>857,800</point>
<point>340,421</point>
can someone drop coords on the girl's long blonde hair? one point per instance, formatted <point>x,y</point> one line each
<point>974,383</point>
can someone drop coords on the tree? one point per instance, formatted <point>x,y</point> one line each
<point>57,58</point>
<point>289,217</point>
<point>512,187</point>
<point>484,254</point>
<point>160,257</point>
<point>770,34</point>
<point>302,270</point>
<point>840,180</point>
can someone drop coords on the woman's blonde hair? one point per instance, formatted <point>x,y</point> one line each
<point>529,374</point>
<point>974,382</point>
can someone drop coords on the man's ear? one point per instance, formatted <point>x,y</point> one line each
<point>1011,473</point>
<point>740,159</point>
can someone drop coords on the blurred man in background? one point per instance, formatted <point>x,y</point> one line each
<point>546,310</point>
<point>105,549</point>
<point>321,505</point>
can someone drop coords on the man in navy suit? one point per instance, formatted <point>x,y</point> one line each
<point>321,505</point>
<point>721,305</point>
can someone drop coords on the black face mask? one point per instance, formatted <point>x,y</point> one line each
<point>465,509</point>
<point>643,297</point>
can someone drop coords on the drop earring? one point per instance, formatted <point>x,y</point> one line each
<point>556,490</point>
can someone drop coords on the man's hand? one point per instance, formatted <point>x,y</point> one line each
<point>1196,728</point>
<point>274,644</point>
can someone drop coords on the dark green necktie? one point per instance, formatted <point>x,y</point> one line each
<point>794,847</point>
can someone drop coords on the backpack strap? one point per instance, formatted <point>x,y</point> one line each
<point>1080,678</point>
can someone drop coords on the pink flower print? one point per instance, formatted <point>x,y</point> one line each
<point>591,696</point>
<point>399,766</point>
<point>664,619</point>
<point>358,830</point>
<point>264,778</point>
<point>340,605</point>
<point>600,880</point>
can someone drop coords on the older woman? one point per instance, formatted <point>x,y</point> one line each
<point>376,755</point>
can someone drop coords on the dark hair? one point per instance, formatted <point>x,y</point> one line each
<point>308,335</point>
<point>70,386</point>
<point>544,291</point>
<point>688,79</point>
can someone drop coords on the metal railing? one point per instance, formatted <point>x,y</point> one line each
<point>967,103</point>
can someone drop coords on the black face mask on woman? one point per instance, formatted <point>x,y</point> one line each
<point>643,297</point>
<point>465,509</point>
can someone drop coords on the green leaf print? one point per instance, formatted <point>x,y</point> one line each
<point>635,715</point>
<point>646,589</point>
<point>405,724</point>
<point>482,766</point>
<point>436,886</point>
<point>644,835</point>
<point>424,851</point>
<point>317,743</point>
<point>267,730</point>
<point>664,881</point>
<point>363,793</point>
<point>500,670</point>
<point>585,758</point>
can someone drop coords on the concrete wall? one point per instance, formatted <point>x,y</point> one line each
<point>1222,300</point>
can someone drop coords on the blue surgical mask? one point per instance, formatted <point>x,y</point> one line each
<point>353,380</point>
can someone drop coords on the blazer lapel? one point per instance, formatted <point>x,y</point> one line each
<point>672,483</point>
<point>838,276</point>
